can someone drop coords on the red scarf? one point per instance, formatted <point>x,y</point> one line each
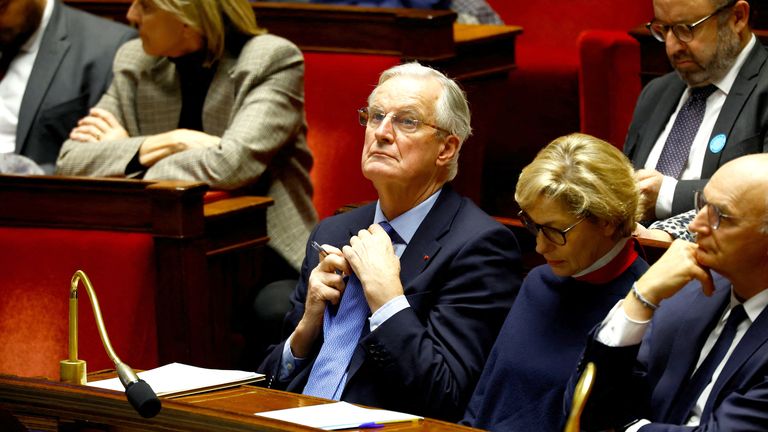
<point>613,268</point>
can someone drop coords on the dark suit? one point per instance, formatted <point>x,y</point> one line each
<point>743,119</point>
<point>72,70</point>
<point>460,273</point>
<point>669,352</point>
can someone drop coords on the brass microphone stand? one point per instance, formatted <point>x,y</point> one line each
<point>140,394</point>
<point>72,369</point>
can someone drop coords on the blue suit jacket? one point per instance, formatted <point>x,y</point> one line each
<point>460,272</point>
<point>626,389</point>
<point>743,120</point>
<point>72,70</point>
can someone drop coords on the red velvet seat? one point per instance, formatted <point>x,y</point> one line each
<point>38,265</point>
<point>566,81</point>
<point>609,83</point>
<point>336,85</point>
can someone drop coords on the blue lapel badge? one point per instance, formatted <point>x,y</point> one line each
<point>717,143</point>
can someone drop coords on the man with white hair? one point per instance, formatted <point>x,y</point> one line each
<point>399,301</point>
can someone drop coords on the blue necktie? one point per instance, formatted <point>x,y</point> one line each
<point>341,332</point>
<point>676,149</point>
<point>692,390</point>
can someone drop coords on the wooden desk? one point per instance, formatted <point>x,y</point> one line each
<point>207,255</point>
<point>49,406</point>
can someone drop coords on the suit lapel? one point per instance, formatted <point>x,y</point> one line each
<point>740,91</point>
<point>755,337</point>
<point>657,122</point>
<point>220,98</point>
<point>53,48</point>
<point>425,243</point>
<point>158,99</point>
<point>684,352</point>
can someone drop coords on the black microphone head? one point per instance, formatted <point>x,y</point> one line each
<point>143,398</point>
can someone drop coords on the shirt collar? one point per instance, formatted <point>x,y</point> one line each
<point>33,43</point>
<point>407,223</point>
<point>725,84</point>
<point>605,259</point>
<point>753,307</point>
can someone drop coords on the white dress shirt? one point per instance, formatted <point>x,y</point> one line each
<point>13,86</point>
<point>619,330</point>
<point>405,225</point>
<point>692,169</point>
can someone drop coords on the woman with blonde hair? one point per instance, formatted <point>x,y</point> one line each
<point>206,95</point>
<point>579,198</point>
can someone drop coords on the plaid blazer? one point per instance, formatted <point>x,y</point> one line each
<point>255,104</point>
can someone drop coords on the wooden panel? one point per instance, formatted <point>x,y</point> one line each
<point>80,408</point>
<point>198,248</point>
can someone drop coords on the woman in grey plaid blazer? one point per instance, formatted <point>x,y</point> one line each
<point>205,95</point>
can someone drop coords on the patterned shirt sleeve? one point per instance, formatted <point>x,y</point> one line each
<point>677,226</point>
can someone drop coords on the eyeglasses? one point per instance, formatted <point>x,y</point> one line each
<point>554,235</point>
<point>714,214</point>
<point>683,32</point>
<point>403,122</point>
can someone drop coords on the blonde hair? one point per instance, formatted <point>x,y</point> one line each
<point>588,176</point>
<point>215,20</point>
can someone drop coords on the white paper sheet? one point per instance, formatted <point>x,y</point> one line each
<point>339,415</point>
<point>177,379</point>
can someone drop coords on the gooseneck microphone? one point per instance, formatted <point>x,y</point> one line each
<point>139,393</point>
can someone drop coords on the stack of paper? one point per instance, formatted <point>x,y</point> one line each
<point>340,415</point>
<point>177,379</point>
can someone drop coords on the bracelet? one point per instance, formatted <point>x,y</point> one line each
<point>642,299</point>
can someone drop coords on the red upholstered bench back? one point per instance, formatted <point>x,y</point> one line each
<point>36,268</point>
<point>551,27</point>
<point>336,85</point>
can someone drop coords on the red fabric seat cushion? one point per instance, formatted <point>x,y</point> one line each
<point>37,267</point>
<point>336,85</point>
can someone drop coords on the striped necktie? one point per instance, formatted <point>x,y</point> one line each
<point>341,332</point>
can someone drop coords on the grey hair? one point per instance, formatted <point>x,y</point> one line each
<point>451,110</point>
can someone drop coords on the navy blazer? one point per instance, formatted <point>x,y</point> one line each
<point>72,70</point>
<point>460,272</point>
<point>743,120</point>
<point>626,389</point>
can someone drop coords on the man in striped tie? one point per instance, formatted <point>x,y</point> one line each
<point>399,301</point>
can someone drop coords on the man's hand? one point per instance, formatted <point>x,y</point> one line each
<point>98,125</point>
<point>373,260</point>
<point>157,147</point>
<point>649,182</point>
<point>325,285</point>
<point>666,277</point>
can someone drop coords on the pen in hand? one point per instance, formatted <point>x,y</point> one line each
<point>319,249</point>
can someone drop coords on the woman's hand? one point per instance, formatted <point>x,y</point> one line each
<point>98,125</point>
<point>160,146</point>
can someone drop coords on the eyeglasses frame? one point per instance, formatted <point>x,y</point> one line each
<point>700,201</point>
<point>364,118</point>
<point>691,27</point>
<point>535,228</point>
